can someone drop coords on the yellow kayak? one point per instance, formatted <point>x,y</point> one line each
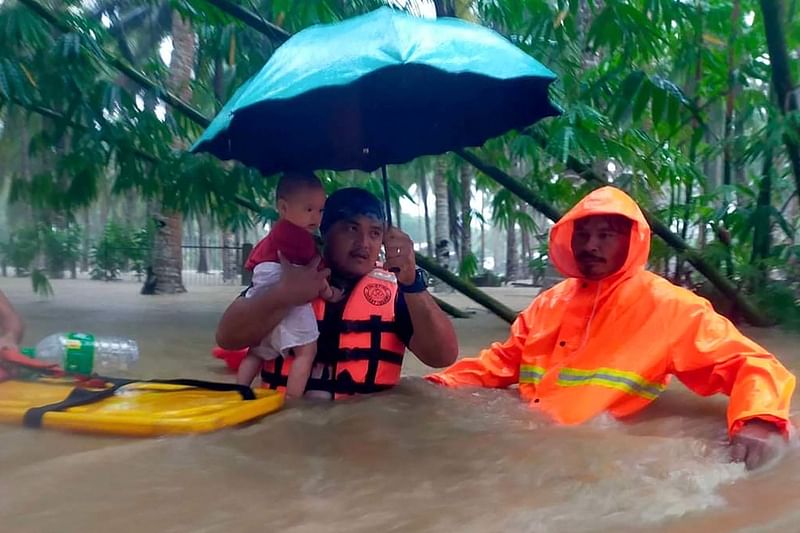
<point>133,408</point>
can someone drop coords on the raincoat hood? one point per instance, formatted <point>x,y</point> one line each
<point>603,201</point>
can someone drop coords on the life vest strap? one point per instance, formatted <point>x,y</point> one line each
<point>275,378</point>
<point>376,353</point>
<point>368,326</point>
<point>369,354</point>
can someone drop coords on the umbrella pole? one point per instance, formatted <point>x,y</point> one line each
<point>386,201</point>
<point>388,205</point>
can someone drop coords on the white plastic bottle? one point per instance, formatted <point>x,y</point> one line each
<point>83,353</point>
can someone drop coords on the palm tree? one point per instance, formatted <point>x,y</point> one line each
<point>467,175</point>
<point>422,183</point>
<point>442,217</point>
<point>167,255</point>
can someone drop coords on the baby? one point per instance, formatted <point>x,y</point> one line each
<point>300,200</point>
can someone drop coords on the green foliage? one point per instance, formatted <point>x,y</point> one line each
<point>468,267</point>
<point>61,248</point>
<point>58,248</point>
<point>643,85</point>
<point>539,263</point>
<point>121,248</point>
<point>21,250</point>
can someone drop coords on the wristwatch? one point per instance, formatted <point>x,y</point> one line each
<point>420,283</point>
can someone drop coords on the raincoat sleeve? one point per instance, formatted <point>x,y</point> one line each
<point>710,355</point>
<point>498,365</point>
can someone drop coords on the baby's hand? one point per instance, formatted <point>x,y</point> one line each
<point>332,294</point>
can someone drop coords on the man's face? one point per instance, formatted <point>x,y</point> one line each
<point>600,244</point>
<point>352,246</point>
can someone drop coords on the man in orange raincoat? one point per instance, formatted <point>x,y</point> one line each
<point>608,338</point>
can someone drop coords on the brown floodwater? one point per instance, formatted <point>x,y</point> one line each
<point>417,458</point>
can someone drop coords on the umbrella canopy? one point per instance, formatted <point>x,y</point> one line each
<point>379,89</point>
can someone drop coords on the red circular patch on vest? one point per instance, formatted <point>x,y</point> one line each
<point>377,294</point>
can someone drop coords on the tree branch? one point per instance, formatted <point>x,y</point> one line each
<point>122,66</point>
<point>273,32</point>
<point>105,136</point>
<point>466,288</point>
<point>512,184</point>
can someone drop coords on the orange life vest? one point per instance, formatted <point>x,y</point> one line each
<point>369,353</point>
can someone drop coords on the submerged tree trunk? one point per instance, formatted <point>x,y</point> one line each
<point>167,252</point>
<point>228,256</point>
<point>202,261</point>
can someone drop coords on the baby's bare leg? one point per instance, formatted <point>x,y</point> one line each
<point>249,369</point>
<point>301,369</point>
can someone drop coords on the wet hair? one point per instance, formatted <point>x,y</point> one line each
<point>349,203</point>
<point>618,223</point>
<point>290,183</point>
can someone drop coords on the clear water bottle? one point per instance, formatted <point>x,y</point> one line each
<point>83,353</point>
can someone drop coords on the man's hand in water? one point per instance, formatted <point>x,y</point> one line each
<point>756,443</point>
<point>400,255</point>
<point>301,284</point>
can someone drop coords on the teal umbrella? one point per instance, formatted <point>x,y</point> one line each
<point>378,89</point>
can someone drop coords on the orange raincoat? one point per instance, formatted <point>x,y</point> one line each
<point>586,347</point>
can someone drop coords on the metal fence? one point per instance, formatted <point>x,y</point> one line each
<point>214,265</point>
<point>201,265</point>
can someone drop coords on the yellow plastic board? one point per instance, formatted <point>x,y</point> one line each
<point>139,409</point>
